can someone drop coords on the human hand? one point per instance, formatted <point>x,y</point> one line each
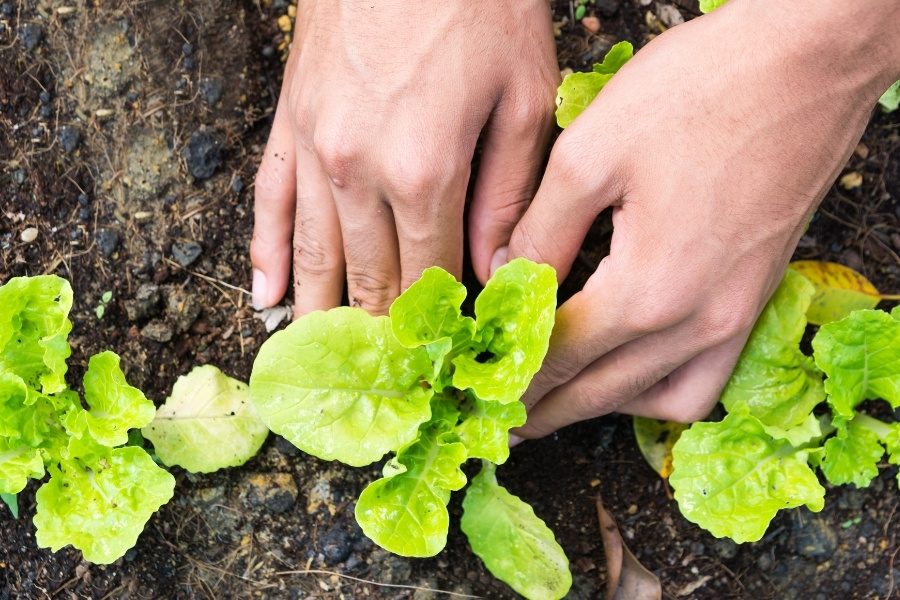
<point>713,146</point>
<point>365,172</point>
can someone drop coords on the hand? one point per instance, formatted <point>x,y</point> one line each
<point>366,168</point>
<point>713,146</point>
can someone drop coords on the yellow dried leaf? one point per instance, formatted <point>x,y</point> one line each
<point>839,290</point>
<point>655,440</point>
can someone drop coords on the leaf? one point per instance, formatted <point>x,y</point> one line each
<point>340,386</point>
<point>34,329</point>
<point>852,455</point>
<point>839,290</point>
<point>208,423</point>
<point>731,477</point>
<point>861,356</point>
<point>628,579</point>
<point>890,100</point>
<point>484,429</point>
<point>578,90</point>
<point>516,546</point>
<point>12,502</point>
<point>710,5</point>
<point>115,406</point>
<point>406,513</point>
<point>18,464</point>
<point>514,314</point>
<point>773,379</point>
<point>101,507</point>
<point>655,440</point>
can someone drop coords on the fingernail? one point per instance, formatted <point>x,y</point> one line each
<point>260,293</point>
<point>515,440</point>
<point>499,258</point>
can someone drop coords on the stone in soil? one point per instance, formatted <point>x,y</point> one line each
<point>107,241</point>
<point>275,492</point>
<point>145,303</point>
<point>31,35</point>
<point>607,8</point>
<point>185,253</point>
<point>158,331</point>
<point>813,536</point>
<point>182,309</point>
<point>211,90</point>
<point>336,544</point>
<point>69,138</point>
<point>203,154</point>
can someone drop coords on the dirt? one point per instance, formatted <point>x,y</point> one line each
<point>129,137</point>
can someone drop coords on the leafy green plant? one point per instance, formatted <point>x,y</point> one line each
<point>788,414</point>
<point>100,309</point>
<point>436,388</point>
<point>578,90</point>
<point>101,492</point>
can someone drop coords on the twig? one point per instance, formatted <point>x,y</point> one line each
<point>370,582</point>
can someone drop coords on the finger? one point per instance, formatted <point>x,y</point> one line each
<point>318,246</point>
<point>370,248</point>
<point>692,390</point>
<point>610,381</point>
<point>273,210</point>
<point>515,145</point>
<point>428,212</point>
<point>579,183</point>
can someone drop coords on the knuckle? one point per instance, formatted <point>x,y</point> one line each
<point>338,153</point>
<point>311,259</point>
<point>532,240</point>
<point>685,412</point>
<point>370,290</point>
<point>653,316</point>
<point>415,180</point>
<point>726,321</point>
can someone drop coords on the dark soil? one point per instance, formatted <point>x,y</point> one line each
<point>129,136</point>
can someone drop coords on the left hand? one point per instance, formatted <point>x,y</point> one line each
<point>713,146</point>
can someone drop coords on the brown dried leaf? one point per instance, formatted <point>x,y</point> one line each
<point>628,578</point>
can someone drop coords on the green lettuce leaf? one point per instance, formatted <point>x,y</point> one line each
<point>731,477</point>
<point>34,330</point>
<point>861,356</point>
<point>115,406</point>
<point>18,463</point>
<point>484,428</point>
<point>773,379</point>
<point>852,455</point>
<point>710,5</point>
<point>208,423</point>
<point>406,512</point>
<point>890,100</point>
<point>340,386</point>
<point>578,90</point>
<point>12,502</point>
<point>514,314</point>
<point>514,543</point>
<point>101,507</point>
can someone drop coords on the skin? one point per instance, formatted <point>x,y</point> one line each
<point>712,148</point>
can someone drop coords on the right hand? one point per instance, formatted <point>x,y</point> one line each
<point>365,173</point>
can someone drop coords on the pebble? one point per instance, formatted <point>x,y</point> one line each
<point>31,35</point>
<point>107,241</point>
<point>725,548</point>
<point>83,199</point>
<point>185,253</point>
<point>285,447</point>
<point>592,24</point>
<point>813,536</point>
<point>203,154</point>
<point>182,309</point>
<point>84,213</point>
<point>275,492</point>
<point>237,185</point>
<point>607,8</point>
<point>19,176</point>
<point>145,303</point>
<point>69,138</point>
<point>211,90</point>
<point>187,49</point>
<point>268,51</point>
<point>46,111</point>
<point>158,331</point>
<point>44,97</point>
<point>29,234</point>
<point>335,544</point>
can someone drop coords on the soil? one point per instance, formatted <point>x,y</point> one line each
<point>129,137</point>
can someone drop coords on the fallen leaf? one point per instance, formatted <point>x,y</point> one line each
<point>628,578</point>
<point>851,180</point>
<point>655,439</point>
<point>272,317</point>
<point>839,290</point>
<point>690,588</point>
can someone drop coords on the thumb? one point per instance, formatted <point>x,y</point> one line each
<point>515,146</point>
<point>575,188</point>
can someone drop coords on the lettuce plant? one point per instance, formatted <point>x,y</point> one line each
<point>435,388</point>
<point>100,492</point>
<point>788,414</point>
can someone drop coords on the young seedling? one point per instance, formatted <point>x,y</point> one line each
<point>100,309</point>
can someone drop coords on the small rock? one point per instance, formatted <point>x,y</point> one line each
<point>44,97</point>
<point>764,562</point>
<point>268,51</point>
<point>29,234</point>
<point>46,112</point>
<point>607,8</point>
<point>84,213</point>
<point>275,492</point>
<point>203,154</point>
<point>158,331</point>
<point>185,253</point>
<point>725,548</point>
<point>390,568</point>
<point>19,176</point>
<point>83,199</point>
<point>592,24</point>
<point>237,185</point>
<point>69,138</point>
<point>851,180</point>
<point>31,35</point>
<point>145,303</point>
<point>813,536</point>
<point>852,259</point>
<point>187,49</point>
<point>335,544</point>
<point>211,90</point>
<point>285,447</point>
<point>182,309</point>
<point>107,241</point>
<point>188,63</point>
<point>6,9</point>
<point>669,15</point>
<point>851,499</point>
